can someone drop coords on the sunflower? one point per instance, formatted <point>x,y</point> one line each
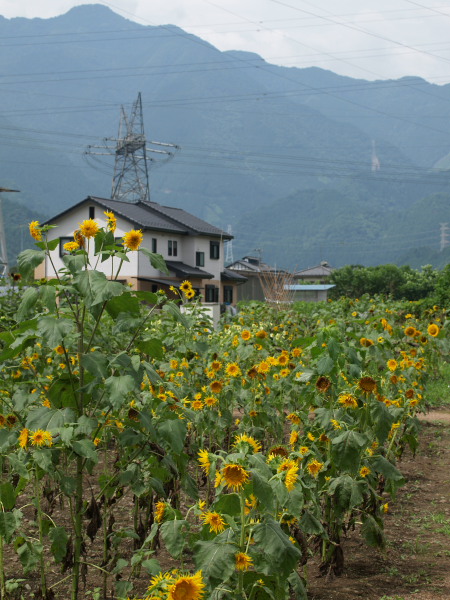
<point>367,384</point>
<point>433,330</point>
<point>187,587</point>
<point>410,331</point>
<point>291,477</point>
<point>243,561</point>
<point>197,405</point>
<point>216,386</point>
<point>203,459</point>
<point>364,471</point>
<point>59,350</point>
<point>186,286</point>
<point>314,467</point>
<point>261,334</point>
<point>189,294</point>
<point>41,438</point>
<point>279,451</point>
<point>348,401</point>
<point>78,237</point>
<point>263,367</point>
<point>133,239</point>
<point>89,228</point>
<point>293,438</point>
<point>366,342</point>
<point>233,370</point>
<point>392,364</point>
<point>248,441</point>
<point>210,401</point>
<point>235,476</point>
<point>71,246</point>
<point>24,436</point>
<point>111,222</point>
<point>35,231</point>
<point>216,365</point>
<point>246,335</point>
<point>323,383</point>
<point>160,509</point>
<point>214,520</point>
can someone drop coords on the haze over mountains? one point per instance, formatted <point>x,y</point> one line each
<point>288,157</point>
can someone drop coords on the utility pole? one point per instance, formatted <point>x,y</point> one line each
<point>130,149</point>
<point>444,236</point>
<point>4,266</point>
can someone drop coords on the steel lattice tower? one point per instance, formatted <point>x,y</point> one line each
<point>229,249</point>
<point>130,178</point>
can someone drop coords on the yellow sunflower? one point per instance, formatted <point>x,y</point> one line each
<point>348,401</point>
<point>214,520</point>
<point>243,561</point>
<point>367,384</point>
<point>433,330</point>
<point>111,222</point>
<point>187,587</point>
<point>133,239</point>
<point>160,509</point>
<point>203,459</point>
<point>41,438</point>
<point>71,246</point>
<point>233,370</point>
<point>186,286</point>
<point>89,228</point>
<point>235,476</point>
<point>248,441</point>
<point>35,231</point>
<point>24,437</point>
<point>314,467</point>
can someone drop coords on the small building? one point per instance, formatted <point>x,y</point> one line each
<point>318,274</point>
<point>192,248</point>
<point>252,269</point>
<point>313,292</point>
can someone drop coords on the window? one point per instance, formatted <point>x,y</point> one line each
<point>62,241</point>
<point>211,293</point>
<point>199,259</point>
<point>228,294</point>
<point>92,212</point>
<point>154,245</point>
<point>172,248</point>
<point>214,250</point>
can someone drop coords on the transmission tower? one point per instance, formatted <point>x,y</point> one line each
<point>444,242</point>
<point>4,267</point>
<point>229,249</point>
<point>130,178</point>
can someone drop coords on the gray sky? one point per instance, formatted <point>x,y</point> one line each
<point>386,39</point>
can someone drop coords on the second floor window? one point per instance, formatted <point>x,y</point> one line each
<point>172,248</point>
<point>199,259</point>
<point>214,250</point>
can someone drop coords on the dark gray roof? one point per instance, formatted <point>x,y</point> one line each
<point>183,270</point>
<point>318,271</point>
<point>229,275</point>
<point>151,215</point>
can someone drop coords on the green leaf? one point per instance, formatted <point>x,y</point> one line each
<point>346,493</point>
<point>7,496</point>
<point>173,534</point>
<point>372,531</point>
<point>298,586</point>
<point>152,566</point>
<point>48,297</point>
<point>309,524</point>
<point>49,419</point>
<point>173,310</point>
<point>118,388</point>
<point>8,523</point>
<point>122,589</point>
<point>173,432</point>
<point>281,554</point>
<point>262,490</point>
<point>96,288</point>
<point>325,365</point>
<point>346,450</point>
<point>29,299</point>
<point>156,260</point>
<point>96,363</point>
<point>85,448</point>
<point>59,539</point>
<point>216,558</point>
<point>120,566</point>
<point>43,458</point>
<point>153,347</point>
<point>382,420</point>
<point>54,330</point>
<point>228,504</point>
<point>125,303</point>
<point>86,425</point>
<point>147,297</point>
<point>74,262</point>
<point>386,468</point>
<point>28,260</point>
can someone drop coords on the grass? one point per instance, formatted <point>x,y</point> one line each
<point>437,390</point>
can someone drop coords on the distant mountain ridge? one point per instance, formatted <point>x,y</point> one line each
<point>265,149</point>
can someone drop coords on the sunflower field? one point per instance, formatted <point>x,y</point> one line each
<point>148,455</point>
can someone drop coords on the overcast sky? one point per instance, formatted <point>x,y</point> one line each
<point>386,39</point>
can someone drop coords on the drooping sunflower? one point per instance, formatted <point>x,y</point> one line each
<point>89,228</point>
<point>279,451</point>
<point>111,221</point>
<point>203,459</point>
<point>433,330</point>
<point>187,587</point>
<point>35,231</point>
<point>214,520</point>
<point>247,441</point>
<point>160,509</point>
<point>367,384</point>
<point>348,401</point>
<point>243,561</point>
<point>291,477</point>
<point>216,386</point>
<point>24,437</point>
<point>323,383</point>
<point>235,476</point>
<point>133,239</point>
<point>314,467</point>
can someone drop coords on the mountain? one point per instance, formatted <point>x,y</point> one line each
<point>283,155</point>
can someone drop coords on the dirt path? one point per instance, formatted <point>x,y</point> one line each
<point>416,562</point>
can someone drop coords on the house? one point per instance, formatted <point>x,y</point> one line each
<point>254,272</point>
<point>192,248</point>
<point>309,292</point>
<point>318,274</point>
